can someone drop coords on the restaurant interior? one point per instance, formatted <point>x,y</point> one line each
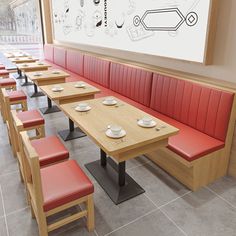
<point>117,118</point>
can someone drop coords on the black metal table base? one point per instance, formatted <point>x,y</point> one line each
<point>50,108</point>
<point>36,92</point>
<point>67,135</point>
<point>114,180</point>
<point>26,84</point>
<point>71,133</point>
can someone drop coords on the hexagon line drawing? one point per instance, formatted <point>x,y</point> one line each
<point>170,13</point>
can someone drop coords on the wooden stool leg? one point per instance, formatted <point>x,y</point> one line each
<point>90,214</point>
<point>42,225</point>
<point>24,106</point>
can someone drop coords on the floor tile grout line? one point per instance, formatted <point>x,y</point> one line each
<point>181,230</point>
<point>17,211</point>
<point>4,211</point>
<point>175,199</point>
<point>160,208</point>
<point>138,218</point>
<point>221,197</point>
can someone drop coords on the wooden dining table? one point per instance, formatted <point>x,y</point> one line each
<point>18,60</point>
<point>31,67</point>
<point>70,93</point>
<point>46,77</point>
<point>16,54</point>
<point>110,170</point>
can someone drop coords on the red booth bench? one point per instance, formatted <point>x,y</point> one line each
<point>205,114</point>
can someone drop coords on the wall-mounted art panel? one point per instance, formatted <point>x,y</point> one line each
<point>169,28</point>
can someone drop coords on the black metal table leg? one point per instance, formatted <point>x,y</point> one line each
<point>20,74</point>
<point>71,133</point>
<point>26,83</point>
<point>113,178</point>
<point>36,92</point>
<point>50,108</point>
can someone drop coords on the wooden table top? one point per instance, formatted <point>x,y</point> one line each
<point>69,91</point>
<point>23,59</point>
<point>137,141</point>
<point>33,66</point>
<point>16,54</point>
<point>46,75</point>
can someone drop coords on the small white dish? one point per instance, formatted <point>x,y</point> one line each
<point>80,85</point>
<point>109,101</point>
<point>150,125</point>
<point>37,74</point>
<point>56,72</point>
<point>112,135</point>
<point>57,89</point>
<point>87,108</point>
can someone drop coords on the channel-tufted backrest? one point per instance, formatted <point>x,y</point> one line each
<point>206,109</point>
<point>48,52</point>
<point>131,82</point>
<point>75,62</point>
<point>59,57</point>
<point>97,70</point>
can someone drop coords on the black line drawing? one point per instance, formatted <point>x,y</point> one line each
<point>82,3</point>
<point>96,2</point>
<point>168,14</point>
<point>97,17</point>
<point>79,20</point>
<point>138,33</point>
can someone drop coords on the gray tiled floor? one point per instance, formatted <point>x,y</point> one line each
<point>166,209</point>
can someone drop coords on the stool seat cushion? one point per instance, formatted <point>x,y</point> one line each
<point>7,82</point>
<point>50,150</point>
<point>4,72</point>
<point>16,96</point>
<point>63,183</point>
<point>2,67</point>
<point>30,118</point>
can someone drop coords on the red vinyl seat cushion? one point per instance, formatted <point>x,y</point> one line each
<point>16,95</point>
<point>7,82</point>
<point>50,150</point>
<point>63,183</point>
<point>2,67</point>
<point>30,118</point>
<point>4,72</point>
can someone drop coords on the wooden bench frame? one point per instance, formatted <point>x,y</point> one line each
<point>35,195</point>
<point>205,170</point>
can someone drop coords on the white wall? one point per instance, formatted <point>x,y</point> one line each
<point>224,62</point>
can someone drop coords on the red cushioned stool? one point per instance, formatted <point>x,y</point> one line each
<point>7,84</point>
<point>25,121</point>
<point>55,188</point>
<point>50,150</point>
<point>12,98</point>
<point>2,67</point>
<point>4,73</point>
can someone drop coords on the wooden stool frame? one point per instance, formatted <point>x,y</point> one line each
<point>31,168</point>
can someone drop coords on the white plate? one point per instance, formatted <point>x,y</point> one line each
<point>151,125</point>
<point>88,108</point>
<point>109,104</point>
<point>56,72</point>
<point>80,85</point>
<point>111,135</point>
<point>37,74</point>
<point>57,89</point>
